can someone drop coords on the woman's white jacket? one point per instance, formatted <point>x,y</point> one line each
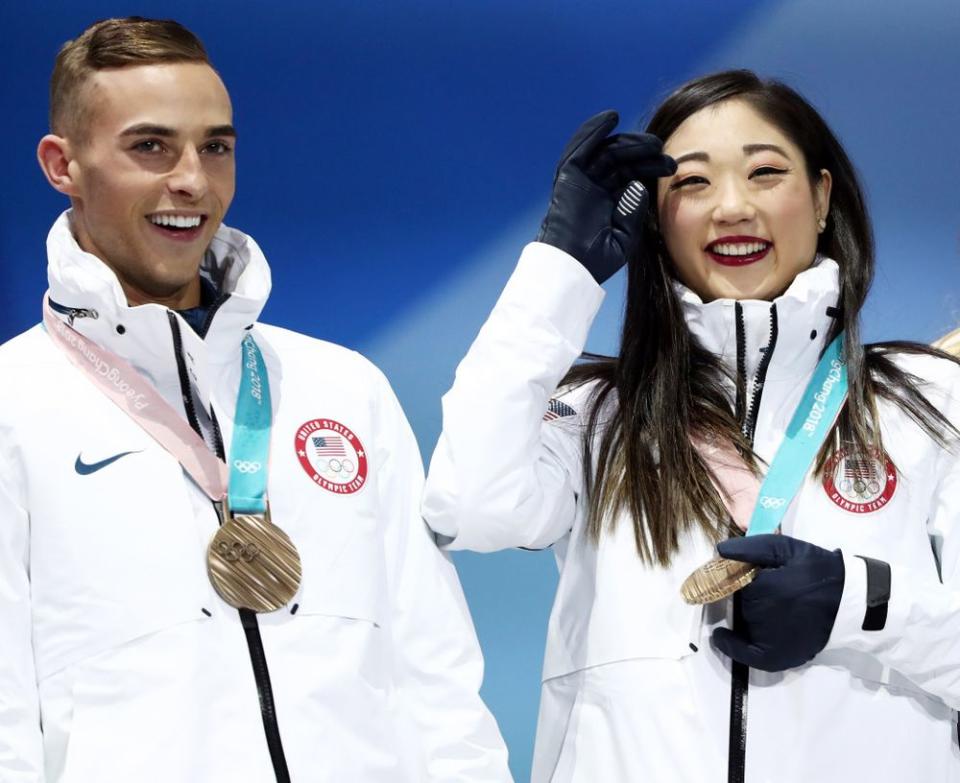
<point>632,688</point>
<point>119,662</point>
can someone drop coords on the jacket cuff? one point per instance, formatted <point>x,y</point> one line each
<point>868,616</point>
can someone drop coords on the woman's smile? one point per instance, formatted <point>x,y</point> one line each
<point>738,250</point>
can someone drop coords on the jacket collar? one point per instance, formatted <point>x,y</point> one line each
<point>803,315</point>
<point>144,335</point>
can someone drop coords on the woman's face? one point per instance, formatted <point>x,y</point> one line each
<point>739,216</point>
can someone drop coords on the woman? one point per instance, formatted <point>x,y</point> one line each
<point>751,267</point>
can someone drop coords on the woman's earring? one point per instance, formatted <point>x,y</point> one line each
<point>821,223</point>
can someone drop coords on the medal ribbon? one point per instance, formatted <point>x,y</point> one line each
<point>808,428</point>
<point>130,391</point>
<point>250,445</point>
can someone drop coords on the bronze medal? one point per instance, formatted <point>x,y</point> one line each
<point>252,563</point>
<point>717,579</point>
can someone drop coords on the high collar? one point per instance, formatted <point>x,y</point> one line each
<point>144,334</point>
<point>804,315</point>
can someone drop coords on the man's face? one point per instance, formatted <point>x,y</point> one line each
<point>154,175</point>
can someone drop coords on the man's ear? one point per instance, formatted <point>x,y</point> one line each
<point>55,155</point>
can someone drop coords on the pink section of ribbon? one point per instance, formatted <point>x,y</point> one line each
<point>125,387</point>
<point>738,486</point>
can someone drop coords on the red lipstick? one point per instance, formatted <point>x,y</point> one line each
<point>726,259</point>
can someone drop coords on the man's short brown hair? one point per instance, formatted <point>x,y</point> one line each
<point>112,43</point>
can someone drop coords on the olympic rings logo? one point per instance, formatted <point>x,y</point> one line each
<point>770,502</point>
<point>238,551</point>
<point>336,468</point>
<point>859,488</point>
<point>247,467</point>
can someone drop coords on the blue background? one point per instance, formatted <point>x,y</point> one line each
<point>395,157</point>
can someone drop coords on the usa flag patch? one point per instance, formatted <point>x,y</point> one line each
<point>332,456</point>
<point>558,410</point>
<point>860,483</point>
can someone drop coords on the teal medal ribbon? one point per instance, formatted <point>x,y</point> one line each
<point>808,429</point>
<point>809,426</point>
<point>250,445</point>
<point>252,563</point>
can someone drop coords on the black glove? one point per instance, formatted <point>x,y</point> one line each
<point>785,615</point>
<point>594,171</point>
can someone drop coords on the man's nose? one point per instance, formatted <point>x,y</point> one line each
<point>188,177</point>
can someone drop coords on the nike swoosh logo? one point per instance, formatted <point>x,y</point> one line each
<point>85,469</point>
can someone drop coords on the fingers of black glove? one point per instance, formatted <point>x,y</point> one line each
<point>624,147</point>
<point>587,138</point>
<point>643,156</point>
<point>768,550</point>
<point>616,178</point>
<point>620,144</point>
<point>767,587</point>
<point>734,646</point>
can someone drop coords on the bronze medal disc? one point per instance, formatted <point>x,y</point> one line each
<point>253,564</point>
<point>717,579</point>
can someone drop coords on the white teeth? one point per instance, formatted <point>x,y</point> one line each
<point>176,221</point>
<point>739,248</point>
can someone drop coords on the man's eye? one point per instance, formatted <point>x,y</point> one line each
<point>148,145</point>
<point>218,148</point>
<point>693,179</point>
<point>765,171</point>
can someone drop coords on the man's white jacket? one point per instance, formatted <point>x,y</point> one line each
<point>119,661</point>
<point>633,690</point>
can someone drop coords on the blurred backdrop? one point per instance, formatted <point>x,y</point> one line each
<point>394,157</point>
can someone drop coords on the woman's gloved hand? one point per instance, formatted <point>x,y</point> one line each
<point>783,617</point>
<point>594,171</point>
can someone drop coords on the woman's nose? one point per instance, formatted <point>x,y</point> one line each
<point>733,204</point>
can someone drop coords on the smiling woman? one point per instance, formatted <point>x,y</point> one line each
<point>741,400</point>
<point>740,220</point>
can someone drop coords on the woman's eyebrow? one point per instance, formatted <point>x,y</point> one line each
<point>701,156</point>
<point>751,149</point>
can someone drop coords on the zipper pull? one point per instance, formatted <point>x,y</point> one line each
<point>82,313</point>
<point>73,312</point>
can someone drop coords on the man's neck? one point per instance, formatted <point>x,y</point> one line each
<point>183,299</point>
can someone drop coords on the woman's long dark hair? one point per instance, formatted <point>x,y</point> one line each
<point>664,387</point>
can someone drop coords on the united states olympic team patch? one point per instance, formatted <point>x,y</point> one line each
<point>332,455</point>
<point>860,483</point>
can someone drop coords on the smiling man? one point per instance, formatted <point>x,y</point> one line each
<point>210,542</point>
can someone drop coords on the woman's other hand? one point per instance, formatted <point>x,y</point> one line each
<point>597,206</point>
<point>786,614</point>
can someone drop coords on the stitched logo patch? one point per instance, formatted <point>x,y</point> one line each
<point>860,483</point>
<point>331,455</point>
<point>86,468</point>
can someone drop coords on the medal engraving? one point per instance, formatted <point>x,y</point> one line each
<point>717,579</point>
<point>253,564</point>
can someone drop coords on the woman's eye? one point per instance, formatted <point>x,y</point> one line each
<point>765,171</point>
<point>693,179</point>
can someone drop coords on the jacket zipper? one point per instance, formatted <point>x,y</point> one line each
<point>73,312</point>
<point>740,673</point>
<point>248,618</point>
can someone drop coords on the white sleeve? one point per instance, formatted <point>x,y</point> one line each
<point>499,478</point>
<point>921,636</point>
<point>21,743</point>
<point>451,734</point>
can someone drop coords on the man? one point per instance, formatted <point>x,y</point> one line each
<point>321,636</point>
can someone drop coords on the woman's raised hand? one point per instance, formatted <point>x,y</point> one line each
<point>593,215</point>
